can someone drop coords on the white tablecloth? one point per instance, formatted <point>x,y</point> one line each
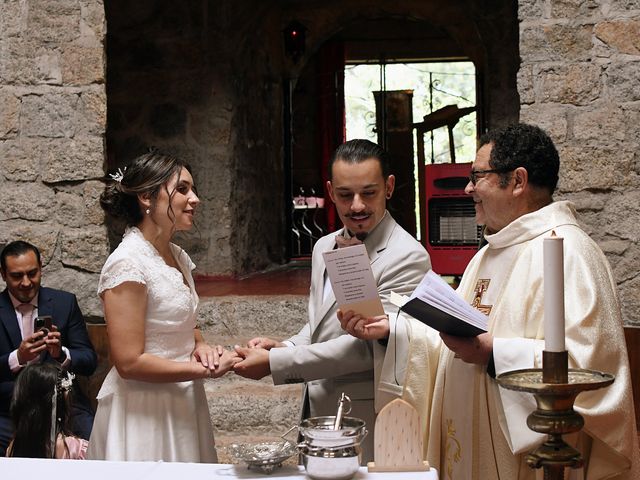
<point>26,468</point>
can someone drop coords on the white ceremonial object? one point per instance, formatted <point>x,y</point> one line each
<point>553,260</point>
<point>398,440</point>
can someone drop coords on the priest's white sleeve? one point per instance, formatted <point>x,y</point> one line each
<point>515,354</point>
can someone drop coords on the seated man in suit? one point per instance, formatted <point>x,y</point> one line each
<point>321,355</point>
<point>67,343</point>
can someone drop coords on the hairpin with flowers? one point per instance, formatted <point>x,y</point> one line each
<point>119,175</point>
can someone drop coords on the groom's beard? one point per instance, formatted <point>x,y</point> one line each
<point>361,235</point>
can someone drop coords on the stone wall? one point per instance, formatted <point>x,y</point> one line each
<point>204,80</point>
<point>201,79</point>
<point>579,80</point>
<point>52,125</point>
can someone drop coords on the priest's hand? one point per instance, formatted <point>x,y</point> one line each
<point>254,363</point>
<point>365,328</point>
<point>470,349</point>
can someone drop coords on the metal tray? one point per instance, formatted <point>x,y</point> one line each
<point>265,456</point>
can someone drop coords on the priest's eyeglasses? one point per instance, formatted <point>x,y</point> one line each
<point>473,175</point>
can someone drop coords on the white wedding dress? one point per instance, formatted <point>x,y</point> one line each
<point>154,421</point>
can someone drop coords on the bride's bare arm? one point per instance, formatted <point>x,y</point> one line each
<point>124,309</point>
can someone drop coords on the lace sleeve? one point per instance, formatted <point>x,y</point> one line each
<point>117,272</point>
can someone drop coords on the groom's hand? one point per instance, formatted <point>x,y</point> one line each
<point>254,363</point>
<point>365,328</point>
<point>264,342</point>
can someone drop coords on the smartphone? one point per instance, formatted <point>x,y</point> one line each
<point>43,322</point>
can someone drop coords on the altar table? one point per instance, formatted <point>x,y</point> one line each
<point>27,468</point>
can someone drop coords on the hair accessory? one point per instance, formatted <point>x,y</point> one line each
<point>62,386</point>
<point>66,380</point>
<point>119,175</point>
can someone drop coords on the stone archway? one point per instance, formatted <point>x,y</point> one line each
<point>408,30</point>
<point>204,80</point>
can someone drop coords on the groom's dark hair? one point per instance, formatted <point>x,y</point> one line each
<point>359,150</point>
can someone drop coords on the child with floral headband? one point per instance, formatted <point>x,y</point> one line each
<point>40,412</point>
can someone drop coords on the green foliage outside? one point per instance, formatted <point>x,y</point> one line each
<point>435,85</point>
<point>452,83</point>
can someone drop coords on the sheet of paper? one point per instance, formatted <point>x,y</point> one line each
<point>351,278</point>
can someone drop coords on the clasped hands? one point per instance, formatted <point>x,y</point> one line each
<point>254,362</point>
<point>251,361</point>
<point>468,349</point>
<point>217,359</point>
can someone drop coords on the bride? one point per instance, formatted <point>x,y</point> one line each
<point>152,404</point>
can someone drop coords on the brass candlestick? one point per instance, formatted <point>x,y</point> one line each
<point>555,388</point>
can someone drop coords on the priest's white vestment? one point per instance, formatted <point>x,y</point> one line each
<point>476,430</point>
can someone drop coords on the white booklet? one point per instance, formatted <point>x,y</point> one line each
<point>436,304</point>
<point>351,278</point>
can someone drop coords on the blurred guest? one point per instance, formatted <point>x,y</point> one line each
<point>66,343</point>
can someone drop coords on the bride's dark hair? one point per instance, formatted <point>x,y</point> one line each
<point>147,174</point>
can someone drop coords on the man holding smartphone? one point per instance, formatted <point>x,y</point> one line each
<point>39,324</point>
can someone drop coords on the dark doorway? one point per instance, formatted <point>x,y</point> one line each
<point>390,42</point>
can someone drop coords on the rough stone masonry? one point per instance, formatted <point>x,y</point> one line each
<point>578,78</point>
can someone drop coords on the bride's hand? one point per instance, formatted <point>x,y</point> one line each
<point>208,356</point>
<point>227,360</point>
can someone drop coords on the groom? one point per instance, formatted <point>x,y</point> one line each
<point>321,354</point>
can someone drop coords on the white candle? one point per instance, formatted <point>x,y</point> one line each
<point>553,294</point>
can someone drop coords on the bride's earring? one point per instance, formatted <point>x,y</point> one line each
<point>147,211</point>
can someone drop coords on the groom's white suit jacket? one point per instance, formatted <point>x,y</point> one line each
<point>328,359</point>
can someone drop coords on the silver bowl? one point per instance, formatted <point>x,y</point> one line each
<point>264,456</point>
<point>322,463</point>
<point>329,454</point>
